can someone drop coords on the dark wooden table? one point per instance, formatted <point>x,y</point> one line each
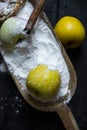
<point>16,114</point>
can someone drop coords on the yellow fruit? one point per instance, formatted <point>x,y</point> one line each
<point>43,82</point>
<point>70,31</point>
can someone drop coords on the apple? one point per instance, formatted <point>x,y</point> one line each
<point>12,30</point>
<point>70,31</point>
<point>42,82</point>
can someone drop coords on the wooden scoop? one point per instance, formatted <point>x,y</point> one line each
<point>60,106</point>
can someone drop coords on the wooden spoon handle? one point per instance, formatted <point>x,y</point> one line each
<point>34,15</point>
<point>67,117</point>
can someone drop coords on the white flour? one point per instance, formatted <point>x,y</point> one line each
<point>40,47</point>
<point>5,8</point>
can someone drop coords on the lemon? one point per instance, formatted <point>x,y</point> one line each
<point>70,31</point>
<point>12,30</point>
<point>43,82</point>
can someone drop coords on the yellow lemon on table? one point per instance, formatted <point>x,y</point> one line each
<point>70,31</point>
<point>42,82</point>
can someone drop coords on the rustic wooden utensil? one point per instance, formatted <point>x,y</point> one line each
<point>34,15</point>
<point>60,106</point>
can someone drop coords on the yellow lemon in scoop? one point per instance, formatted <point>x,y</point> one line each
<point>12,30</point>
<point>43,82</point>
